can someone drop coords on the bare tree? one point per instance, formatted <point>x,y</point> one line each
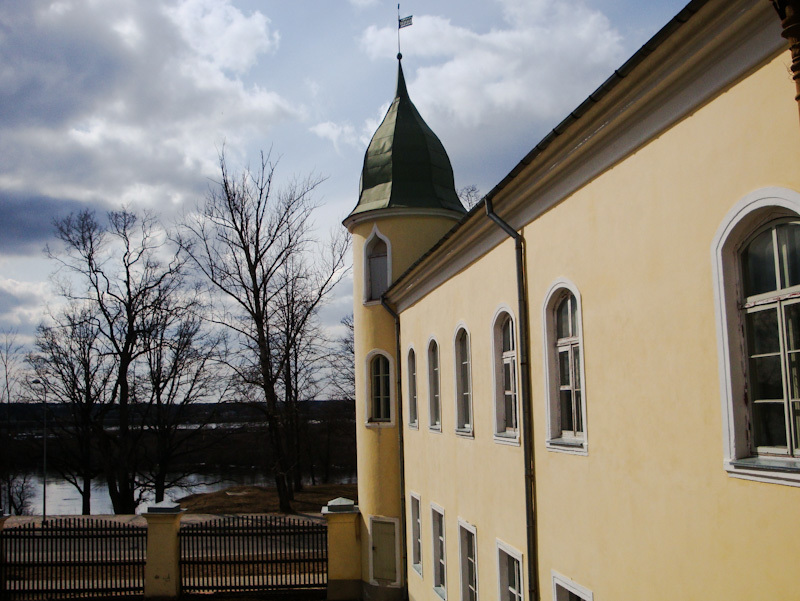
<point>71,357</point>
<point>180,368</point>
<point>469,196</point>
<point>12,482</point>
<point>342,361</point>
<point>241,241</point>
<point>124,269</point>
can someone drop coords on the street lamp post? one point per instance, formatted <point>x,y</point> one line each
<point>44,443</point>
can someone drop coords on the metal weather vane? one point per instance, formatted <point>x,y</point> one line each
<point>404,22</point>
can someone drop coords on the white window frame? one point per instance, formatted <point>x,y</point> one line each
<point>434,376</point>
<point>504,435</point>
<point>470,530</point>
<point>740,223</point>
<point>369,421</point>
<point>367,278</point>
<point>570,586</point>
<point>506,552</point>
<point>463,398</point>
<point>439,551</point>
<point>412,382</point>
<point>554,440</point>
<point>397,556</point>
<point>415,523</point>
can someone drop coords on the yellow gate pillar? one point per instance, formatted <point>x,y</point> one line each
<point>344,550</point>
<point>162,575</point>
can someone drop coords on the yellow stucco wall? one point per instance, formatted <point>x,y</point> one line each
<point>378,459</point>
<point>650,513</point>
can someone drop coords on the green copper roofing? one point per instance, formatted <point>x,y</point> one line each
<point>406,165</point>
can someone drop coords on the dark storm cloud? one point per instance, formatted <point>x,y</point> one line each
<point>52,71</point>
<point>27,222</point>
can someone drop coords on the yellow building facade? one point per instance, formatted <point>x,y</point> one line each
<point>599,396</point>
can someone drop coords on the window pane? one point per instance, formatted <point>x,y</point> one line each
<point>794,375</point>
<point>792,316</point>
<point>758,261</point>
<point>769,425</point>
<point>762,332</point>
<point>578,412</point>
<point>377,276</point>
<point>508,335</point>
<point>789,255</point>
<point>562,319</point>
<point>563,367</point>
<point>765,378</point>
<point>566,410</point>
<point>576,368</point>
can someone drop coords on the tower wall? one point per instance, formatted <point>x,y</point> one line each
<point>379,492</point>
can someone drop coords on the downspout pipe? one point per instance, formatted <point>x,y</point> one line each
<point>400,441</point>
<point>525,394</point>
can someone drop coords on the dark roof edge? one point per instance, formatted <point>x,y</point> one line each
<point>686,13</point>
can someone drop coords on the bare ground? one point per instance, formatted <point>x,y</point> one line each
<point>260,499</point>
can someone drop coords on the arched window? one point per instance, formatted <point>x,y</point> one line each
<point>377,267</point>
<point>566,400</point>
<point>463,384</point>
<point>412,388</point>
<point>434,388</point>
<point>380,382</point>
<point>505,377</point>
<point>770,263</point>
<point>756,276</point>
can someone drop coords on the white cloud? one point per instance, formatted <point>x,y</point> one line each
<point>336,133</point>
<point>113,100</point>
<point>363,3</point>
<point>536,67</point>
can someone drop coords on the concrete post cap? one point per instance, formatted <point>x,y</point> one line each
<point>165,507</point>
<point>340,505</point>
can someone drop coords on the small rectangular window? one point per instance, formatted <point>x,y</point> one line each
<point>412,388</point>
<point>509,563</point>
<point>463,383</point>
<point>416,534</point>
<point>565,589</point>
<point>439,556</point>
<point>469,562</point>
<point>434,386</point>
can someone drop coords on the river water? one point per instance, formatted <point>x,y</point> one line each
<point>64,499</point>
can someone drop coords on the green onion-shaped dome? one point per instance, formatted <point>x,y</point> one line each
<point>406,165</point>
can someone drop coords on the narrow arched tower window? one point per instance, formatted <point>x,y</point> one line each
<point>377,268</point>
<point>380,382</point>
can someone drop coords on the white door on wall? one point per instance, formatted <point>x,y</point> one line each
<point>384,560</point>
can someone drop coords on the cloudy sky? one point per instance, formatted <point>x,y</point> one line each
<point>112,102</point>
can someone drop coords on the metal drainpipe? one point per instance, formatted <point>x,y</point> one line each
<point>525,381</point>
<point>401,452</point>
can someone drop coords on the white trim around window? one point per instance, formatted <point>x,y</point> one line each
<point>510,573</point>
<point>412,385</point>
<point>468,560</point>
<point>439,548</point>
<point>462,381</point>
<point>563,586</point>
<point>748,215</point>
<point>397,555</point>
<point>573,349</point>
<point>370,421</point>
<point>368,297</point>
<point>505,394</point>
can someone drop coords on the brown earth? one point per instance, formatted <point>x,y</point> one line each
<point>260,499</point>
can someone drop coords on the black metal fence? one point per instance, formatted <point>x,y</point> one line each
<point>258,552</point>
<point>72,557</point>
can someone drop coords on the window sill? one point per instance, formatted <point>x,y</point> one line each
<point>572,446</point>
<point>379,424</point>
<point>464,433</point>
<point>413,426</point>
<point>440,591</point>
<point>774,470</point>
<point>510,438</point>
<point>372,302</point>
<point>437,429</point>
<point>417,568</point>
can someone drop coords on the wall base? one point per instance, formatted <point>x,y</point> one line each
<point>344,590</point>
<point>370,592</point>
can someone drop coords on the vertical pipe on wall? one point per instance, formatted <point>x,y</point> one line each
<point>525,387</point>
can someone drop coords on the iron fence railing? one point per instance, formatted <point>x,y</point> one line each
<point>72,557</point>
<point>255,552</point>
